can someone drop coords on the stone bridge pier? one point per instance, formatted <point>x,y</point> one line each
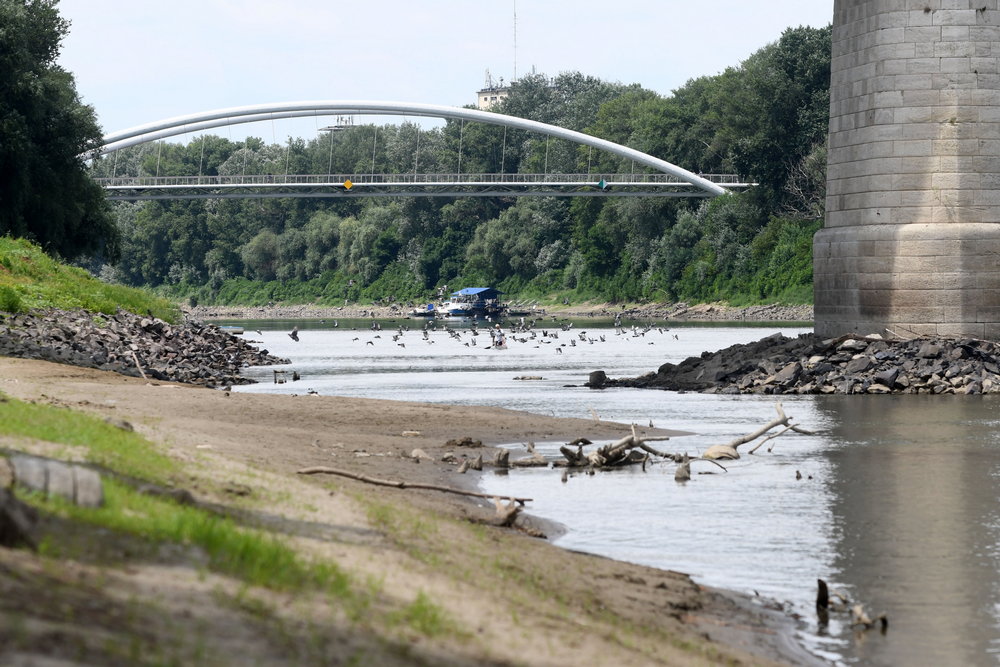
<point>911,241</point>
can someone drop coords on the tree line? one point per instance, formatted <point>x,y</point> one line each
<point>764,119</point>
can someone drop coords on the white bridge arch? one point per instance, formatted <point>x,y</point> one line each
<point>261,112</point>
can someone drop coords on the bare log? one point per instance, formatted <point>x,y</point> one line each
<point>398,484</point>
<point>502,458</point>
<point>729,450</point>
<point>535,461</point>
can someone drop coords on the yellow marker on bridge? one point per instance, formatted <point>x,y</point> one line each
<point>348,185</point>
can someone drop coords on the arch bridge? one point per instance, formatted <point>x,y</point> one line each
<point>668,181</point>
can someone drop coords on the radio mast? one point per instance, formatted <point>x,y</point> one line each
<point>514,78</point>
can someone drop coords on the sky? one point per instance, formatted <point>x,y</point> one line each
<point>138,61</point>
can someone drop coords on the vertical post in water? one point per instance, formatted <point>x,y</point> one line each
<point>911,240</point>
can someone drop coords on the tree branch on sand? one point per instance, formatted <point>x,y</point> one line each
<point>398,484</point>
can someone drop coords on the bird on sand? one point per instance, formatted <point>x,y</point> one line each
<point>295,334</point>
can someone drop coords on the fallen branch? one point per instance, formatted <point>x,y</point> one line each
<point>770,437</point>
<point>729,451</point>
<point>318,470</point>
<point>137,365</point>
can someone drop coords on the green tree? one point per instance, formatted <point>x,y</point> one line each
<point>46,193</point>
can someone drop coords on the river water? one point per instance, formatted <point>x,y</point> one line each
<point>897,505</point>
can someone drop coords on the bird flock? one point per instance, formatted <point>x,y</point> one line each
<point>557,335</point>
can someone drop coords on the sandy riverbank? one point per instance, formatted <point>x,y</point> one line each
<point>517,599</point>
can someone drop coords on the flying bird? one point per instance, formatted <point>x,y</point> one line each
<point>295,334</point>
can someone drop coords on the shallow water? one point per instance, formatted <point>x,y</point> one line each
<point>897,504</point>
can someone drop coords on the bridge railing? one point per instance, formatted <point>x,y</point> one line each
<point>402,179</point>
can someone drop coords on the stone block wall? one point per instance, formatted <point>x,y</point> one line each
<point>911,241</point>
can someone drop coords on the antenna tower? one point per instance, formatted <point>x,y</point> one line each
<point>514,78</point>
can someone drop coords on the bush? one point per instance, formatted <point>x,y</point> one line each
<point>10,300</point>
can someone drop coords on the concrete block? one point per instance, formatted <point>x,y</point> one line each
<point>962,330</point>
<point>914,148</point>
<point>955,65</point>
<point>923,34</point>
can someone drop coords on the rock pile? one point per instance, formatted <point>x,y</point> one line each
<point>847,365</point>
<point>191,352</point>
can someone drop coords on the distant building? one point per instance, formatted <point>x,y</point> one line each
<point>492,93</point>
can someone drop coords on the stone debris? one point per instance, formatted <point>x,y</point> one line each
<point>192,352</point>
<point>848,365</point>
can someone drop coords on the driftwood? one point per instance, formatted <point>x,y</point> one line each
<point>729,450</point>
<point>536,460</point>
<point>620,452</point>
<point>859,618</point>
<point>138,365</point>
<point>506,514</point>
<point>502,458</point>
<point>398,484</point>
<point>683,471</point>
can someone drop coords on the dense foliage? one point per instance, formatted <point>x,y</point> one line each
<point>764,120</point>
<point>46,193</point>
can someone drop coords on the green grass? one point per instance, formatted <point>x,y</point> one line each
<point>254,557</point>
<point>30,280</point>
<point>426,618</point>
<point>123,451</point>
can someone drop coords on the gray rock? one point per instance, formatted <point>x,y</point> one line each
<point>858,365</point>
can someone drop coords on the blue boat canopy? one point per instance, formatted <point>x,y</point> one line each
<point>482,292</point>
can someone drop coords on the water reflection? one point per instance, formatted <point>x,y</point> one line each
<point>913,497</point>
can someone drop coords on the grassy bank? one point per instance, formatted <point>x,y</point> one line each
<point>30,279</point>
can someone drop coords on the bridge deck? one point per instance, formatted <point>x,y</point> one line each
<point>409,185</point>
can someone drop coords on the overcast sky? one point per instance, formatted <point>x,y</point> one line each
<point>137,61</point>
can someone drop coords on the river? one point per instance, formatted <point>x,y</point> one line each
<point>893,500</point>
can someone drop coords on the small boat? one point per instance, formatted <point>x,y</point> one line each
<point>235,330</point>
<point>480,303</point>
<point>430,311</point>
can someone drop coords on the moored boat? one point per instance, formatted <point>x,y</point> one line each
<point>480,303</point>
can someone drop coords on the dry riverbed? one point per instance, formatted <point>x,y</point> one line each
<point>509,598</point>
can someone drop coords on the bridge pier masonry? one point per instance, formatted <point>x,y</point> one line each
<point>911,240</point>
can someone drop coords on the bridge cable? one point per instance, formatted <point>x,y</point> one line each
<point>416,154</point>
<point>374,141</point>
<point>202,160</point>
<point>461,132</point>
<point>114,168</point>
<point>288,154</point>
<point>503,151</point>
<point>159,149</point>
<point>545,172</point>
<point>329,168</point>
<point>246,152</point>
